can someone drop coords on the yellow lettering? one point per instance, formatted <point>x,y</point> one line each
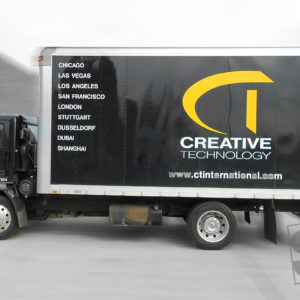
<point>251,113</point>
<point>201,87</point>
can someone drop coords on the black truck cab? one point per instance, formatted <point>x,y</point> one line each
<point>17,149</point>
<point>17,167</point>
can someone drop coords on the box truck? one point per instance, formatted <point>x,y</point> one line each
<point>136,134</point>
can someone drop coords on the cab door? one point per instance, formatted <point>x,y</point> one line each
<point>4,147</point>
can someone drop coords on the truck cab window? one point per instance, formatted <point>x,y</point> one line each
<point>1,135</point>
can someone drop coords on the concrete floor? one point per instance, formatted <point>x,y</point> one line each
<point>86,258</point>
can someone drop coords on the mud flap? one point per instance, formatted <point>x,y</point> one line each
<point>20,208</point>
<point>270,226</point>
<point>247,216</point>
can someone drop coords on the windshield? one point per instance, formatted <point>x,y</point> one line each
<point>32,124</point>
<point>34,131</point>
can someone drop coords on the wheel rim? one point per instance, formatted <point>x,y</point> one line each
<point>5,218</point>
<point>213,226</point>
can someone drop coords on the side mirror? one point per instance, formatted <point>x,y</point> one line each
<point>24,134</point>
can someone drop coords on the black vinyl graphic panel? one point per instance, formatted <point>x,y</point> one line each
<point>121,121</point>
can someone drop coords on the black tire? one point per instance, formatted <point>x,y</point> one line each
<point>212,224</point>
<point>8,218</point>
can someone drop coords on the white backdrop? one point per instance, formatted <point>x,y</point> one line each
<point>26,25</point>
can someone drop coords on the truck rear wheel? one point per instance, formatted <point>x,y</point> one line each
<point>212,224</point>
<point>8,220</point>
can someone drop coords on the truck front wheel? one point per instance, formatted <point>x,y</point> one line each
<point>8,220</point>
<point>212,224</point>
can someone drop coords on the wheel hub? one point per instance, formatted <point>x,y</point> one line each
<point>5,218</point>
<point>212,225</point>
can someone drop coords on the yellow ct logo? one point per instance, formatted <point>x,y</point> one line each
<point>201,87</point>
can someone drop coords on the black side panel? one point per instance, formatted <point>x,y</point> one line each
<point>132,133</point>
<point>98,155</point>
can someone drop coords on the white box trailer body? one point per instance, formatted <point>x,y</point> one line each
<point>139,71</point>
